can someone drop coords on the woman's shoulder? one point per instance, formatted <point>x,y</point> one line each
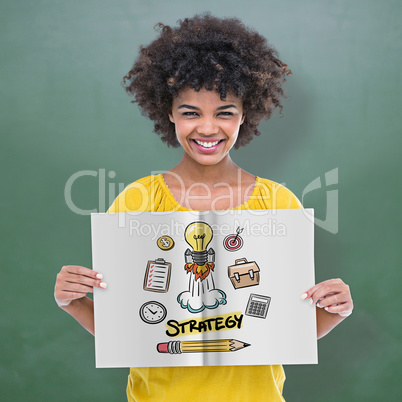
<point>150,193</point>
<point>143,195</point>
<point>269,194</point>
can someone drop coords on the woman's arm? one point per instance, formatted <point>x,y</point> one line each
<point>83,311</point>
<point>72,285</point>
<point>334,303</point>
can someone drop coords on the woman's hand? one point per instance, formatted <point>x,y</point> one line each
<point>74,282</point>
<point>333,304</point>
<point>332,295</point>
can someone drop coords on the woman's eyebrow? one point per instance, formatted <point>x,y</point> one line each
<point>226,107</point>
<point>188,107</point>
<point>196,108</point>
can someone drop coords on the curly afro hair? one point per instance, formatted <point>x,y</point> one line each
<point>218,54</point>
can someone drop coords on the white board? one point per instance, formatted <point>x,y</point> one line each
<point>155,312</point>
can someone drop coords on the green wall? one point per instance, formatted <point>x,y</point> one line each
<point>63,111</point>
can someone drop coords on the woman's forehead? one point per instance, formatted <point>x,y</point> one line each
<point>204,96</point>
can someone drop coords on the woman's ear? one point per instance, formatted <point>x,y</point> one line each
<point>171,117</point>
<point>242,119</point>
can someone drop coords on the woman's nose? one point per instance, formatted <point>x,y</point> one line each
<point>207,126</point>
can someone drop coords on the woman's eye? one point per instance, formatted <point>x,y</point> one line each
<point>192,114</point>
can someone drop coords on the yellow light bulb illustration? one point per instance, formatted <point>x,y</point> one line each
<point>200,264</point>
<point>198,235</point>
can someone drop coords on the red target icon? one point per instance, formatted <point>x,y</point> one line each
<point>233,242</point>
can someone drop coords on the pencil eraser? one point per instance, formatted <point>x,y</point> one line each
<point>162,347</point>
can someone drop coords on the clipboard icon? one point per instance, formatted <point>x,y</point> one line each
<point>157,276</point>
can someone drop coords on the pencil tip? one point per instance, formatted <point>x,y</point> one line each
<point>247,344</point>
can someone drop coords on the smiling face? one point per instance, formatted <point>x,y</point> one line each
<point>206,127</point>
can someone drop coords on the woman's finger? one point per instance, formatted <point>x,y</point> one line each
<point>332,300</point>
<point>327,283</point>
<point>344,309</point>
<point>82,275</point>
<point>79,270</point>
<point>324,289</point>
<point>77,287</point>
<point>83,280</point>
<point>66,296</point>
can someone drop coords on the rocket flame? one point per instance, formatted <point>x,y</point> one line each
<point>200,271</point>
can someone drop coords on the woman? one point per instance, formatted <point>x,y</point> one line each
<point>206,84</point>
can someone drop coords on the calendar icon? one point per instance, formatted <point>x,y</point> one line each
<point>257,306</point>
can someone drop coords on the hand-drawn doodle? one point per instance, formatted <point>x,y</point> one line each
<point>201,325</point>
<point>244,273</point>
<point>165,243</point>
<point>200,265</point>
<point>233,242</point>
<point>153,312</point>
<point>257,306</point>
<point>218,345</point>
<point>157,276</point>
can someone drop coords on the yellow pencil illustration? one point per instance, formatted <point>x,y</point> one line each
<point>219,345</point>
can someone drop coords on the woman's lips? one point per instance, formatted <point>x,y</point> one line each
<point>209,149</point>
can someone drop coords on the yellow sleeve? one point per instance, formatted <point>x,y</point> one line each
<point>271,195</point>
<point>136,197</point>
<point>285,199</point>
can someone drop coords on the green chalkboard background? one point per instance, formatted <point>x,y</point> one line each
<point>63,111</point>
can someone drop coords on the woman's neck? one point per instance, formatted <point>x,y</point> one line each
<point>209,187</point>
<point>190,171</point>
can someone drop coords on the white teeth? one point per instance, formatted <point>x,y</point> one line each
<point>207,144</point>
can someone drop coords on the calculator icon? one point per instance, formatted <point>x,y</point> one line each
<point>257,306</point>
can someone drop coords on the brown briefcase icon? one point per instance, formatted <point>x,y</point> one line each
<point>244,273</point>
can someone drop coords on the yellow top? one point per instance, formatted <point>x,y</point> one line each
<point>209,383</point>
